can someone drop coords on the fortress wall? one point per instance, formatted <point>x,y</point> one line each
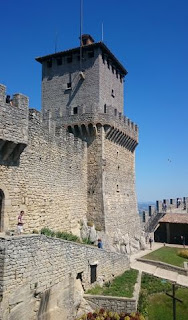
<point>108,82</point>
<point>95,207</point>
<point>120,203</point>
<point>40,275</point>
<point>49,184</point>
<point>14,117</point>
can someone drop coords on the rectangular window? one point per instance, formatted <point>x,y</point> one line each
<point>69,85</point>
<point>59,61</point>
<point>115,112</point>
<point>69,59</point>
<point>91,54</point>
<point>93,273</point>
<point>105,108</point>
<point>113,94</point>
<point>75,110</point>
<point>49,63</point>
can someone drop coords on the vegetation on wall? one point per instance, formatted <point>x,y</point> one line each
<point>64,235</point>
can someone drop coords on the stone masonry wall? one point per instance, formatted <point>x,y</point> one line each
<point>95,212</point>
<point>14,118</point>
<point>38,274</point>
<point>49,184</point>
<point>113,303</point>
<point>109,81</point>
<point>55,94</point>
<point>120,203</point>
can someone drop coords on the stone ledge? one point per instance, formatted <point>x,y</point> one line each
<point>165,266</point>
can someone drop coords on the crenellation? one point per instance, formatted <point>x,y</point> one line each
<point>2,94</point>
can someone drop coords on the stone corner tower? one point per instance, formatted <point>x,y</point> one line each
<point>83,90</point>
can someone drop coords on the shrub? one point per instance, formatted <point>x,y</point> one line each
<point>67,236</point>
<point>183,253</point>
<point>86,241</point>
<point>47,232</point>
<point>60,234</point>
<point>90,224</point>
<point>98,228</point>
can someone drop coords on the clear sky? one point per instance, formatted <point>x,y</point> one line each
<point>149,37</point>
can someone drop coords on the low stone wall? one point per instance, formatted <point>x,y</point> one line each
<point>118,304</point>
<point>38,275</point>
<point>165,266</point>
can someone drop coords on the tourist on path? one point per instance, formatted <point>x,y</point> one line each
<point>20,222</point>
<point>150,242</point>
<point>100,244</point>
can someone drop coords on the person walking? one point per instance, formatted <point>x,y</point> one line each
<point>20,222</point>
<point>150,242</point>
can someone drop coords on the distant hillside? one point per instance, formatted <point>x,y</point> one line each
<point>144,205</point>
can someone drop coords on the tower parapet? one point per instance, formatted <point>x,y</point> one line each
<point>13,125</point>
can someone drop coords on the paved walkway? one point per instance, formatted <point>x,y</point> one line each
<point>154,270</point>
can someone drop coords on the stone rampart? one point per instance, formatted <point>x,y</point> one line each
<point>14,117</point>
<point>39,273</point>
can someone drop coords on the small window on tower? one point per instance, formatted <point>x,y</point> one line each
<point>91,54</point>
<point>69,85</point>
<point>113,94</point>
<point>105,108</point>
<point>75,110</point>
<point>69,59</point>
<point>115,112</point>
<point>49,63</point>
<point>84,42</point>
<point>59,61</point>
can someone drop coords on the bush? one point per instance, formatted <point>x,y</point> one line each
<point>86,241</point>
<point>90,224</point>
<point>60,234</point>
<point>183,253</point>
<point>47,232</point>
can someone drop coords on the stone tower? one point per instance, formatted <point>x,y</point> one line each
<point>86,98</point>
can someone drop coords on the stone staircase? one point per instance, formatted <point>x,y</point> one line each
<point>153,221</point>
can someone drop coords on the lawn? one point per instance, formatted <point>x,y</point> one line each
<point>156,304</point>
<point>167,255</point>
<point>121,286</point>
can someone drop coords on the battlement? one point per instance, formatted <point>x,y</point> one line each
<point>13,125</point>
<point>151,216</point>
<point>118,128</point>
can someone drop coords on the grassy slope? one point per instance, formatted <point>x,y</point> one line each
<point>121,286</point>
<point>167,255</point>
<point>157,304</point>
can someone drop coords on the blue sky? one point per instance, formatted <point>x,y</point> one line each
<point>149,37</point>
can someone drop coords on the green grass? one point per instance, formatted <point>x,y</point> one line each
<point>167,255</point>
<point>160,306</point>
<point>121,286</point>
<point>155,304</point>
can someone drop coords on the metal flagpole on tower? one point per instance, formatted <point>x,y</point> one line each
<point>81,21</point>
